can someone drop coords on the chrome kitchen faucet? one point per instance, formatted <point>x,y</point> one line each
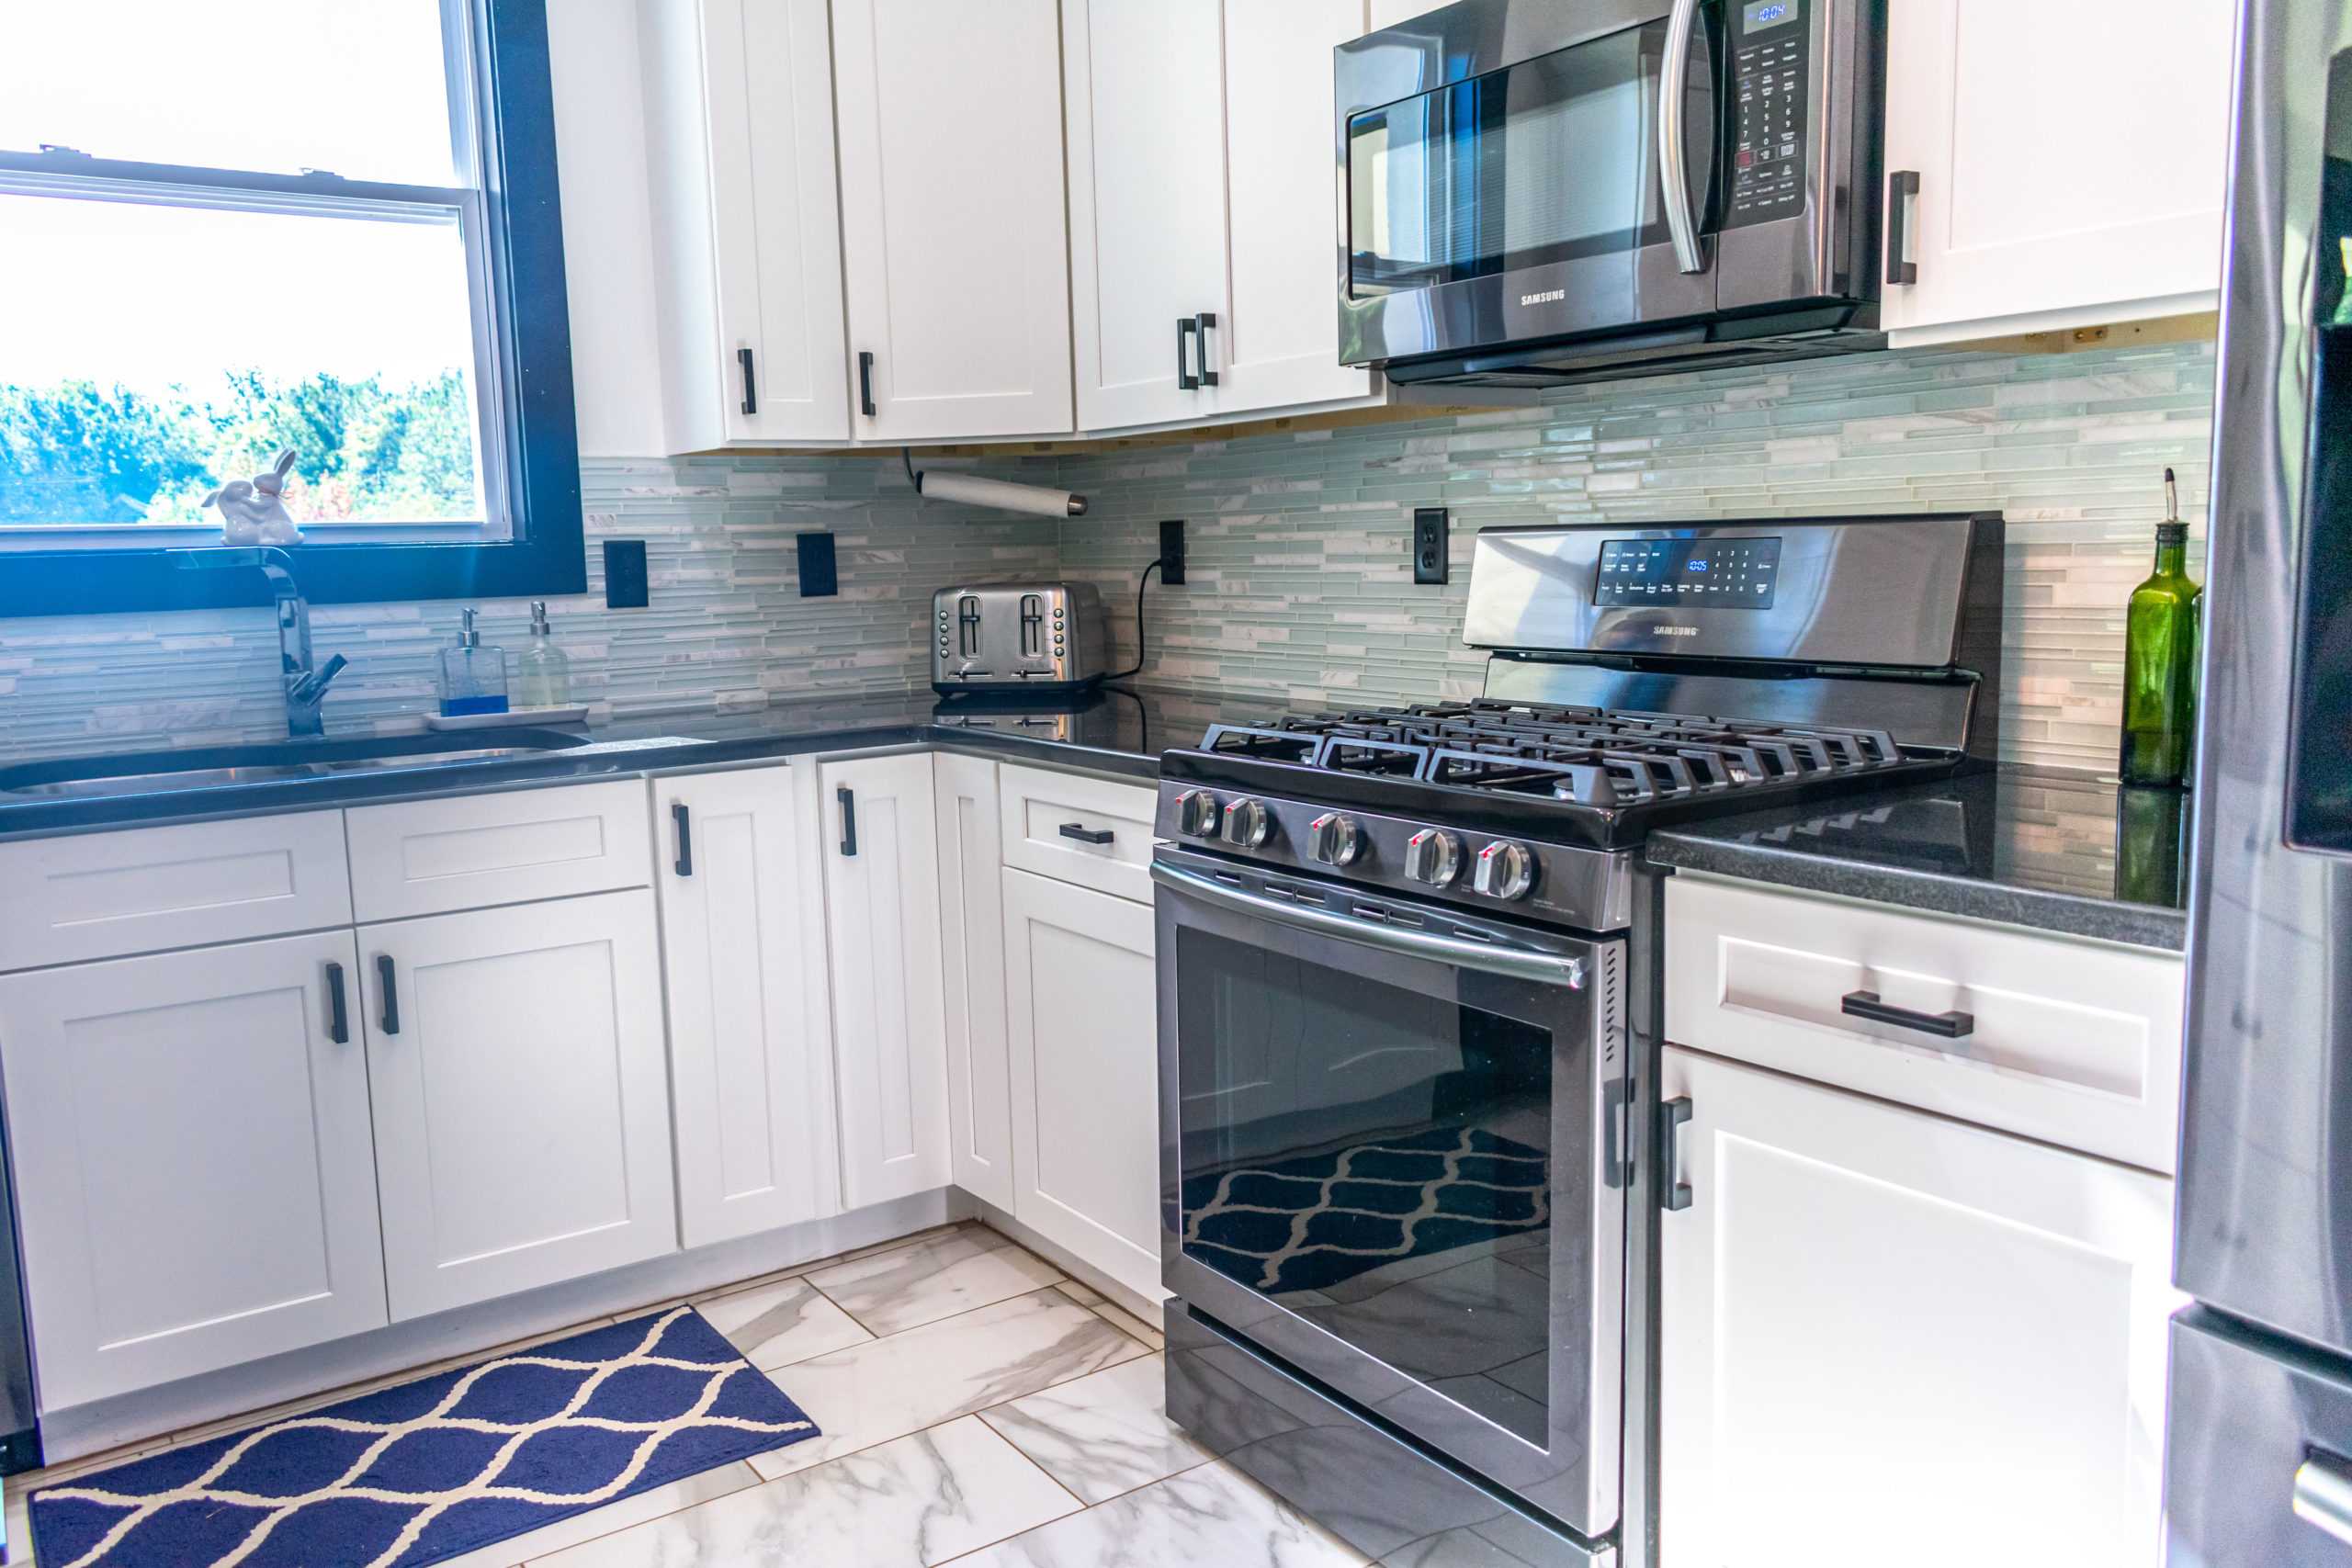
<point>306,687</point>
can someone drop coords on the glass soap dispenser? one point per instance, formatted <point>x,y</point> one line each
<point>2160,651</point>
<point>473,678</point>
<point>542,673</point>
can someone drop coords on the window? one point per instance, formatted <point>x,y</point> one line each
<point>232,228</point>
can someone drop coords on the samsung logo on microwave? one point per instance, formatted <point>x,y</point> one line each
<point>1549,296</point>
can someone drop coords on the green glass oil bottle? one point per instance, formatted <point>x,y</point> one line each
<point>2160,661</point>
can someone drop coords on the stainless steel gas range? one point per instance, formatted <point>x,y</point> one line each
<point>1408,973</point>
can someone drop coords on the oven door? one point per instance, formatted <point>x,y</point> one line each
<point>1391,1157</point>
<point>1513,172</point>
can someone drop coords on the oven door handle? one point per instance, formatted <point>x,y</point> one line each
<point>1673,163</point>
<point>1543,968</point>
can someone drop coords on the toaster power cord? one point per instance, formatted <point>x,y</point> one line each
<point>1137,668</point>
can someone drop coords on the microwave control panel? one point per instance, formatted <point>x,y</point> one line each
<point>1770,87</point>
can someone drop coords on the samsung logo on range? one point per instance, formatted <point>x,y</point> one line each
<point>1548,297</point>
<point>1676,631</point>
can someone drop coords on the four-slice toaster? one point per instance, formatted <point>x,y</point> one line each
<point>1035,636</point>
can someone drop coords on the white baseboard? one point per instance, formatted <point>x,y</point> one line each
<point>127,1418</point>
<point>1077,1269</point>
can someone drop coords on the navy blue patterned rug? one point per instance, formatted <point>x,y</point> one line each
<point>1315,1221</point>
<point>431,1469</point>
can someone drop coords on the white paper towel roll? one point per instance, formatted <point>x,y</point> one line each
<point>1003,496</point>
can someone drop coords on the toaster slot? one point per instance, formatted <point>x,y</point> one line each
<point>1033,626</point>
<point>967,626</point>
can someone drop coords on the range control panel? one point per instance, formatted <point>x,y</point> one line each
<point>1771,47</point>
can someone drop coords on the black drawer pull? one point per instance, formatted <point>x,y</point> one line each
<point>865,383</point>
<point>391,1017</point>
<point>338,1008</point>
<point>682,820</point>
<point>1084,834</point>
<point>848,799</point>
<point>1902,190</point>
<point>1202,326</point>
<point>750,393</point>
<point>1944,1025</point>
<point>1678,1194</point>
<point>1185,327</point>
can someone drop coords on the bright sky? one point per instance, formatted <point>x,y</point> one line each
<point>145,295</point>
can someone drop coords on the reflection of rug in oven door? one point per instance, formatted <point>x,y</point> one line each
<point>1308,1223</point>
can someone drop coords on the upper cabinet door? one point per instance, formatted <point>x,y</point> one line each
<point>751,1052</point>
<point>1145,81</point>
<point>1282,346</point>
<point>747,239</point>
<point>950,178</point>
<point>2071,161</point>
<point>195,1182</point>
<point>881,850</point>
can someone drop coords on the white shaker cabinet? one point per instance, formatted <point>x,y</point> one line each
<point>952,218</point>
<point>751,1048</point>
<point>747,242</point>
<point>2070,162</point>
<point>1080,986</point>
<point>521,1120</point>
<point>1891,1338</point>
<point>971,928</point>
<point>195,1183</point>
<point>881,857</point>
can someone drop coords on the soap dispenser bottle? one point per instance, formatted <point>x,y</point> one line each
<point>473,678</point>
<point>542,674</point>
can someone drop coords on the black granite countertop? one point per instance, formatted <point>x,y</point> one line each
<point>2063,852</point>
<point>1114,731</point>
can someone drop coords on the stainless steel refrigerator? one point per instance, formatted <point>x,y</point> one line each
<point>2258,1467</point>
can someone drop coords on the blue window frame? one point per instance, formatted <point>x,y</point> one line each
<point>519,531</point>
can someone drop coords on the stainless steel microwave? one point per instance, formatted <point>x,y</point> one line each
<point>1535,191</point>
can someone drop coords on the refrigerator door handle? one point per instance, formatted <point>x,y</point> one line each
<point>2322,1495</point>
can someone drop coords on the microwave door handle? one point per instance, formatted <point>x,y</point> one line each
<point>1543,968</point>
<point>1673,165</point>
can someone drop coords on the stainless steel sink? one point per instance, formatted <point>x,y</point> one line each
<point>228,767</point>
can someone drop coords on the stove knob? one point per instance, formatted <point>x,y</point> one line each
<point>1334,840</point>
<point>1504,871</point>
<point>1247,823</point>
<point>1196,814</point>
<point>1434,856</point>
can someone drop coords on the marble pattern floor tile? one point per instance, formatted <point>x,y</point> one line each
<point>939,1278</point>
<point>1103,1434</point>
<point>1084,1295</point>
<point>1213,1515</point>
<point>1128,1322</point>
<point>911,1503</point>
<point>887,1388</point>
<point>777,1325</point>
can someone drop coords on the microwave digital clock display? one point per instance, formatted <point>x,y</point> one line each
<point>1698,574</point>
<point>1767,14</point>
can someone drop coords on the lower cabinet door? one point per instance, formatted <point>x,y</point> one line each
<point>1081,1014</point>
<point>881,854</point>
<point>522,1119</point>
<point>750,1057</point>
<point>195,1183</point>
<point>971,930</point>
<point>1891,1338</point>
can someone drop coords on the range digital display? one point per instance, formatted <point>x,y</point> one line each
<point>1696,574</point>
<point>1767,14</point>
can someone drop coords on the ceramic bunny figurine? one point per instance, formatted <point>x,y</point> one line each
<point>252,512</point>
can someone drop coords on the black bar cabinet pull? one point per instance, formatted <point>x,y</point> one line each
<point>1902,190</point>
<point>682,820</point>
<point>1185,327</point>
<point>338,1009</point>
<point>751,391</point>
<point>391,1017</point>
<point>865,383</point>
<point>1202,323</point>
<point>848,797</point>
<point>1084,834</point>
<point>1678,1194</point>
<point>1944,1025</point>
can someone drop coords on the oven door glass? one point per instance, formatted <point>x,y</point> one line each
<point>1551,160</point>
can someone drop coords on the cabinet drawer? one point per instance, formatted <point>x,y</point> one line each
<point>145,890</point>
<point>1038,805</point>
<point>429,857</point>
<point>2074,1042</point>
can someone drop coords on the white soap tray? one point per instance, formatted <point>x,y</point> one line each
<point>513,717</point>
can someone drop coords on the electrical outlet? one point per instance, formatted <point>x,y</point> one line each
<point>1171,553</point>
<point>1431,545</point>
<point>820,576</point>
<point>626,583</point>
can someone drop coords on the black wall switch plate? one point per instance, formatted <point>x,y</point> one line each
<point>1171,553</point>
<point>820,578</point>
<point>626,583</point>
<point>1431,549</point>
